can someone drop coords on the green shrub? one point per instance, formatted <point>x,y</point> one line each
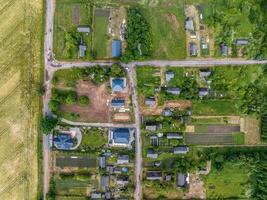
<point>47,124</point>
<point>53,105</point>
<point>71,98</point>
<point>83,100</point>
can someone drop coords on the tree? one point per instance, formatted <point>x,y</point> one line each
<point>116,71</point>
<point>53,105</point>
<point>47,124</point>
<point>83,100</point>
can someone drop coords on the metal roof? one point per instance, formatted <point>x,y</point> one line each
<point>173,90</point>
<point>181,179</point>
<point>116,48</point>
<point>83,29</point>
<point>63,141</point>
<point>117,102</point>
<point>180,150</point>
<point>169,75</point>
<point>121,135</point>
<point>82,50</point>
<point>117,84</point>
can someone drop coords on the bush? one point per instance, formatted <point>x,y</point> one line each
<point>71,98</point>
<point>116,71</point>
<point>53,105</point>
<point>83,100</point>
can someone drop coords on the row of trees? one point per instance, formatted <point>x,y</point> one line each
<point>138,36</point>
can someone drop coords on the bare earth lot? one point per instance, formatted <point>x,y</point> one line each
<point>97,110</point>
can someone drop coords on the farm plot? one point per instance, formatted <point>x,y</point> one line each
<point>75,161</point>
<point>100,38</point>
<point>217,128</point>
<point>68,16</point>
<point>20,36</point>
<point>209,139</point>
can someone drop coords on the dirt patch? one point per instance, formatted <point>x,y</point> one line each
<point>76,14</point>
<point>196,189</point>
<point>222,129</point>
<point>251,127</point>
<point>172,19</point>
<point>190,129</point>
<point>180,104</point>
<point>97,110</point>
<point>121,117</point>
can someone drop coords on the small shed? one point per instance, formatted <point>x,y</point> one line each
<point>102,162</point>
<point>178,135</point>
<point>203,92</point>
<point>193,49</point>
<point>180,150</point>
<point>104,182</point>
<point>82,50</point>
<point>224,49</point>
<point>116,48</point>
<point>154,175</point>
<point>173,90</point>
<point>150,101</point>
<point>117,103</point>
<point>189,24</point>
<point>169,75</point>
<point>83,29</point>
<point>241,42</point>
<point>151,154</point>
<point>167,112</point>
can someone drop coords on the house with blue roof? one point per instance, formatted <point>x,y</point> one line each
<point>116,48</point>
<point>118,84</point>
<point>121,137</point>
<point>63,141</point>
<point>117,103</point>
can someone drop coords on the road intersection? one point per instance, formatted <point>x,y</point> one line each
<point>52,65</point>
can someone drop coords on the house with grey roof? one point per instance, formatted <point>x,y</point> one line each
<point>63,141</point>
<point>121,137</point>
<point>122,181</point>
<point>151,154</point>
<point>168,177</point>
<point>224,49</point>
<point>203,92</point>
<point>83,29</point>
<point>102,162</point>
<point>118,84</point>
<point>166,112</point>
<point>193,49</point>
<point>177,135</point>
<point>173,90</point>
<point>189,24</point>
<point>104,182</point>
<point>117,170</point>
<point>154,175</point>
<point>123,159</point>
<point>241,42</point>
<point>151,126</point>
<point>182,180</point>
<point>96,195</point>
<point>204,72</point>
<point>82,50</point>
<point>169,75</point>
<point>150,101</point>
<point>181,150</point>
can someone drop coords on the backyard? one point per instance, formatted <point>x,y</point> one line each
<point>68,16</point>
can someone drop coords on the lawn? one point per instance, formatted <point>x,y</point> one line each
<point>178,79</point>
<point>166,18</point>
<point>239,138</point>
<point>215,107</point>
<point>100,39</point>
<point>148,78</point>
<point>230,182</point>
<point>93,138</point>
<point>68,15</point>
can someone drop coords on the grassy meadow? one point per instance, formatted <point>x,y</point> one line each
<point>20,36</point>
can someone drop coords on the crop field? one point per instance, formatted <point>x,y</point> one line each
<point>209,138</point>
<point>20,36</point>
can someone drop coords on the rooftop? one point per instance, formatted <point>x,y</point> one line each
<point>117,102</point>
<point>82,50</point>
<point>63,141</point>
<point>116,48</point>
<point>121,135</point>
<point>83,29</point>
<point>169,75</point>
<point>118,84</point>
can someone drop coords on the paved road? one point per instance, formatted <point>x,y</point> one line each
<point>138,145</point>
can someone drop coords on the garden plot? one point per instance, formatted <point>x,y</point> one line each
<point>209,139</point>
<point>217,128</point>
<point>75,161</point>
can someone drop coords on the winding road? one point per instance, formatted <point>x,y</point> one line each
<point>51,65</point>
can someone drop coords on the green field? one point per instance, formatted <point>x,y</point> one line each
<point>100,32</point>
<point>215,107</point>
<point>166,18</point>
<point>68,15</point>
<point>229,183</point>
